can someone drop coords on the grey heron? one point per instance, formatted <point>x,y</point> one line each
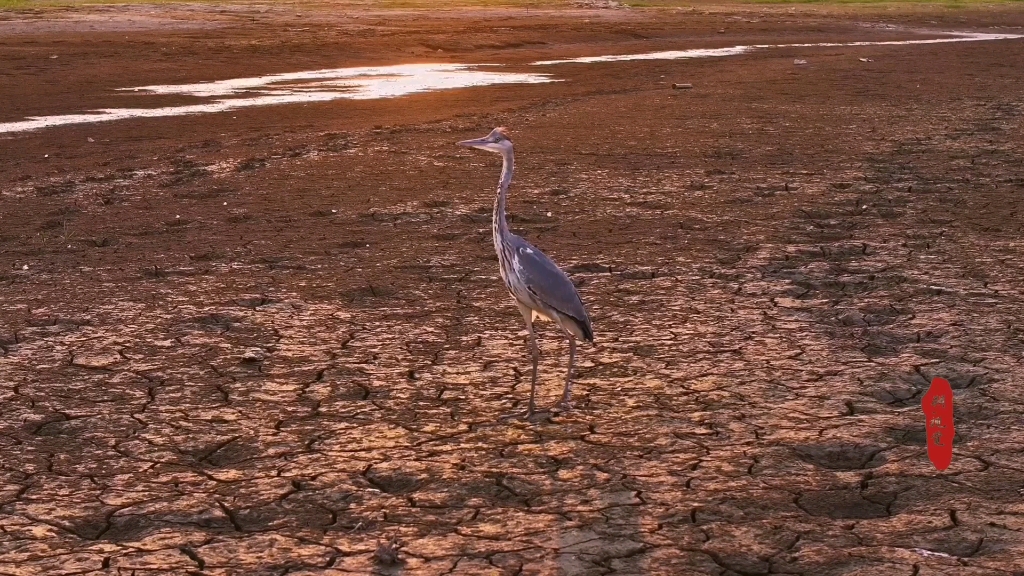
<point>539,287</point>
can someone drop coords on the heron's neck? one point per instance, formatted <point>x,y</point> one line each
<point>500,225</point>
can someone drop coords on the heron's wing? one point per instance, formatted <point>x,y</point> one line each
<point>548,283</point>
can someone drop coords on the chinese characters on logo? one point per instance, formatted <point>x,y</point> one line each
<point>937,404</point>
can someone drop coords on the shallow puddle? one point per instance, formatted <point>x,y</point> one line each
<point>361,83</point>
<point>735,50</point>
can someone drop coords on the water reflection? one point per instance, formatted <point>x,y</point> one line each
<point>361,83</point>
<point>735,50</point>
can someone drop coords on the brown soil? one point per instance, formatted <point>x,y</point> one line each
<point>777,262</point>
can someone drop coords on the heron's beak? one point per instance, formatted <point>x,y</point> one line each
<point>481,143</point>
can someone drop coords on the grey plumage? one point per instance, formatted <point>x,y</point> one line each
<point>540,288</point>
<point>550,287</point>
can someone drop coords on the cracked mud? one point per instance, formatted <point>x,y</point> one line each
<point>273,342</point>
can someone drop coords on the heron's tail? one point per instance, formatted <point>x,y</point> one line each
<point>578,328</point>
<point>586,331</point>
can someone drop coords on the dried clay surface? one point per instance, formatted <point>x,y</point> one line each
<point>273,341</point>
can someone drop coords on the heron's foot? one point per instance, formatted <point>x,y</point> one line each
<point>563,405</point>
<point>528,416</point>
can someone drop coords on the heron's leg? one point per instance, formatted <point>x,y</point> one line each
<point>531,412</point>
<point>534,355</point>
<point>567,392</point>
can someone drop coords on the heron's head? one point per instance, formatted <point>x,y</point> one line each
<point>496,141</point>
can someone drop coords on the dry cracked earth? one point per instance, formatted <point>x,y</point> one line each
<point>274,342</point>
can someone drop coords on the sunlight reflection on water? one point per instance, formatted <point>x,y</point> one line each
<point>362,83</point>
<point>735,50</point>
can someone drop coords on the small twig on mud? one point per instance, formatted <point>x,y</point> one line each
<point>66,233</point>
